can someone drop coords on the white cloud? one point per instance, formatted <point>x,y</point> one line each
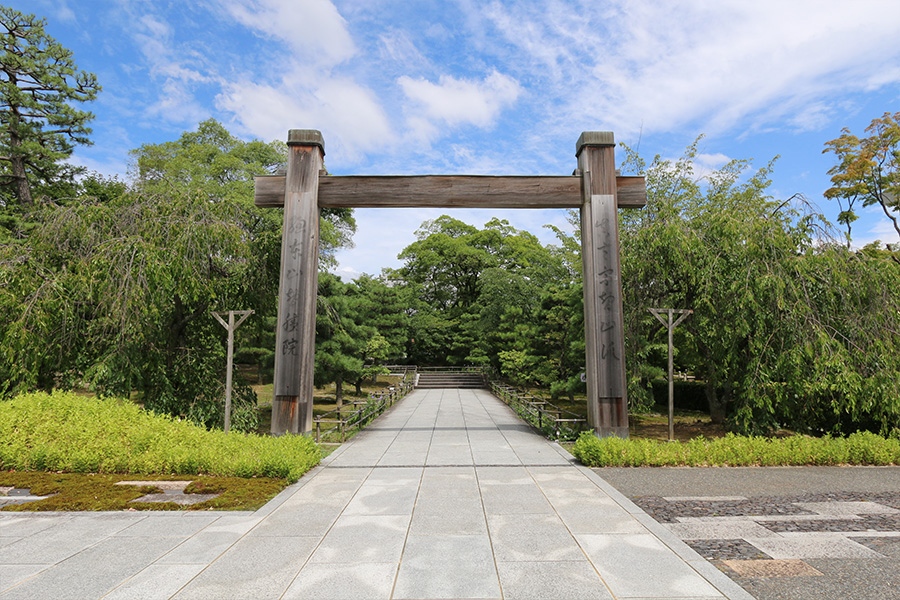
<point>712,161</point>
<point>707,66</point>
<point>313,28</point>
<point>305,87</point>
<point>396,46</point>
<point>458,101</point>
<point>179,68</point>
<point>348,114</point>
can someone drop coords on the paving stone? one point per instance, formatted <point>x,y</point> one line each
<point>202,548</point>
<point>705,498</point>
<point>503,475</point>
<point>453,566</point>
<point>402,459</point>
<point>513,498</point>
<point>309,519</point>
<point>383,500</point>
<point>164,525</point>
<point>811,545</point>
<point>233,524</point>
<point>595,514</point>
<point>363,538</point>
<point>360,581</point>
<point>495,458</point>
<point>259,568</point>
<point>449,482</point>
<point>12,575</point>
<point>448,516</point>
<point>772,568</point>
<point>564,479</point>
<point>624,562</point>
<point>22,499</point>
<point>718,531</point>
<point>395,476</point>
<point>108,563</point>
<point>156,582</point>
<point>25,525</point>
<point>836,523</point>
<point>48,547</point>
<point>575,580</point>
<point>847,508</point>
<point>175,486</point>
<point>536,538</point>
<point>180,499</point>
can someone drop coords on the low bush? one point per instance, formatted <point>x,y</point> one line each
<point>65,432</point>
<point>861,448</point>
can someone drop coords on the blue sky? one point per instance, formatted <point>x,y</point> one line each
<point>490,86</point>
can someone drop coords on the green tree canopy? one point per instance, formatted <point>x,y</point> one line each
<point>868,170</point>
<point>214,163</point>
<point>459,281</point>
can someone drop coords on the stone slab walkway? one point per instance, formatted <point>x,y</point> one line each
<point>447,495</point>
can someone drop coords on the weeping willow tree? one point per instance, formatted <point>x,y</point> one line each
<point>113,290</point>
<point>789,329</point>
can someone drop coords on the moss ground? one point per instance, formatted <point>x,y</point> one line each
<point>93,491</point>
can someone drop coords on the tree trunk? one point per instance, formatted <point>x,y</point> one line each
<point>16,162</point>
<point>23,190</point>
<point>339,392</point>
<point>359,387</point>
<point>716,404</point>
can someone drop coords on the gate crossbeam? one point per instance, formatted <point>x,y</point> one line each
<point>450,191</point>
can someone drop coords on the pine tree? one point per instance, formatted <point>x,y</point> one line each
<point>39,126</point>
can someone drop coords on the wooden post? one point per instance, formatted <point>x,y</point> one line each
<point>604,325</point>
<point>295,338</point>
<point>231,326</point>
<point>657,312</point>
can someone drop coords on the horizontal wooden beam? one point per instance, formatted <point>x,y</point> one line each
<point>451,191</point>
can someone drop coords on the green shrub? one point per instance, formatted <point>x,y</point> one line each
<point>862,448</point>
<point>65,432</point>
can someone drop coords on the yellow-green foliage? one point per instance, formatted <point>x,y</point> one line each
<point>65,432</point>
<point>861,448</point>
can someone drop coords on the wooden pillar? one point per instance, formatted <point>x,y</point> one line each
<point>604,325</point>
<point>295,338</point>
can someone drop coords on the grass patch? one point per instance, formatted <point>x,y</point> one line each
<point>862,448</point>
<point>64,432</point>
<point>689,424</point>
<point>91,491</point>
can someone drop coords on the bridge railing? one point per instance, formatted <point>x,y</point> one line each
<point>553,421</point>
<point>333,427</point>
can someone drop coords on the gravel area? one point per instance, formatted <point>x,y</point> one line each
<point>831,533</point>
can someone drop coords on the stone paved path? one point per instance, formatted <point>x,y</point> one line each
<point>448,495</point>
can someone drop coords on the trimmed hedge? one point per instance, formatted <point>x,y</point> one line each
<point>65,432</point>
<point>861,448</point>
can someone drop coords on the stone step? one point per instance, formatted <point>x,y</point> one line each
<point>442,380</point>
